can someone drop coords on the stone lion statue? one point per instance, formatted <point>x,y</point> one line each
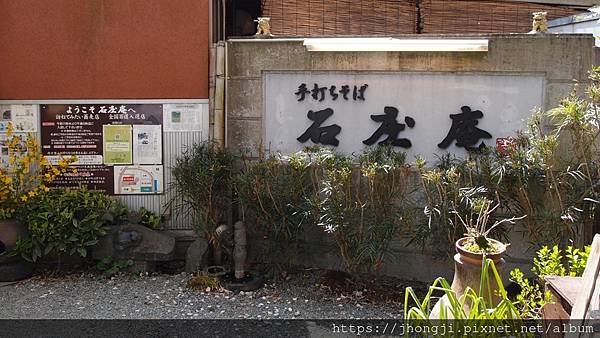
<point>263,28</point>
<point>540,23</point>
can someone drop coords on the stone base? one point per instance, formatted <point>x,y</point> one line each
<point>136,242</point>
<point>195,258</point>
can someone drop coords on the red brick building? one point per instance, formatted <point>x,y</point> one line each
<point>69,49</point>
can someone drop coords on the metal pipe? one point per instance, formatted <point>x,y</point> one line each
<point>239,251</point>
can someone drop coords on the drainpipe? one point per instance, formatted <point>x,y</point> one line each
<point>219,95</point>
<point>217,59</point>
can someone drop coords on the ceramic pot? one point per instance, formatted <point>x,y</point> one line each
<point>467,273</point>
<point>12,268</point>
<point>476,258</point>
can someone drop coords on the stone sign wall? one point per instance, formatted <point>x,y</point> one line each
<point>518,73</point>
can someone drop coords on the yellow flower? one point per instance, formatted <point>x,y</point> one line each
<point>24,198</point>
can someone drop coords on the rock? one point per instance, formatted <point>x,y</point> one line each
<point>194,257</point>
<point>136,242</point>
<point>14,271</point>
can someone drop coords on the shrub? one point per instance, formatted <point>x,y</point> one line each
<point>449,189</point>
<point>532,175</point>
<point>142,217</point>
<point>274,194</point>
<point>26,173</point>
<point>547,262</point>
<point>65,221</point>
<point>202,178</point>
<point>362,203</point>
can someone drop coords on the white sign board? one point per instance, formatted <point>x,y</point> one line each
<point>24,117</point>
<point>147,144</point>
<point>411,110</point>
<point>185,117</point>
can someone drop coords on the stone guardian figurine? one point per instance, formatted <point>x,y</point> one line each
<point>540,23</point>
<point>263,28</point>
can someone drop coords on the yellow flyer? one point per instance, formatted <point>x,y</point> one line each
<point>117,144</point>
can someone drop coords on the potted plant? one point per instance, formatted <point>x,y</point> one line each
<point>475,248</point>
<point>24,174</point>
<point>476,245</point>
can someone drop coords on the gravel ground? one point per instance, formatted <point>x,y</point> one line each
<point>89,296</point>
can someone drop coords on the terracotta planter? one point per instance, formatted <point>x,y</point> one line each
<point>12,268</point>
<point>467,272</point>
<point>477,258</point>
<point>10,231</point>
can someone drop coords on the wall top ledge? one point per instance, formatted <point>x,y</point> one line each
<point>420,37</point>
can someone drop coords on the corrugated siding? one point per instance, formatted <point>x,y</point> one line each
<point>174,143</point>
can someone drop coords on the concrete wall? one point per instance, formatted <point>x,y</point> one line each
<point>558,58</point>
<point>104,49</point>
<point>584,23</point>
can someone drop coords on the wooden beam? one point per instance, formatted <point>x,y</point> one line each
<point>569,3</point>
<point>589,287</point>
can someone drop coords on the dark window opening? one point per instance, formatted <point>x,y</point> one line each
<point>241,15</point>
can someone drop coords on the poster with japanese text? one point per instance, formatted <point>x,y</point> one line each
<point>100,135</point>
<point>117,144</point>
<point>24,117</point>
<point>147,144</point>
<point>184,117</point>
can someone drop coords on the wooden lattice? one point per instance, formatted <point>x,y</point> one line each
<point>395,17</point>
<point>458,16</point>
<point>340,17</point>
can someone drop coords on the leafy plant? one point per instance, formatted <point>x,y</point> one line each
<point>202,178</point>
<point>26,174</point>
<point>201,282</point>
<point>547,262</point>
<point>362,203</point>
<point>450,189</point>
<point>274,195</point>
<point>577,260</point>
<point>64,221</point>
<point>144,217</point>
<point>531,298</point>
<point>476,223</point>
<point>110,267</point>
<point>468,312</point>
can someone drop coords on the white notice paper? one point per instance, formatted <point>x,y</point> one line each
<point>147,144</point>
<point>183,117</point>
<point>24,117</point>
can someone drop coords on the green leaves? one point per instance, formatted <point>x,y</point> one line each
<point>548,262</point>
<point>201,180</point>
<point>469,310</point>
<point>65,221</point>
